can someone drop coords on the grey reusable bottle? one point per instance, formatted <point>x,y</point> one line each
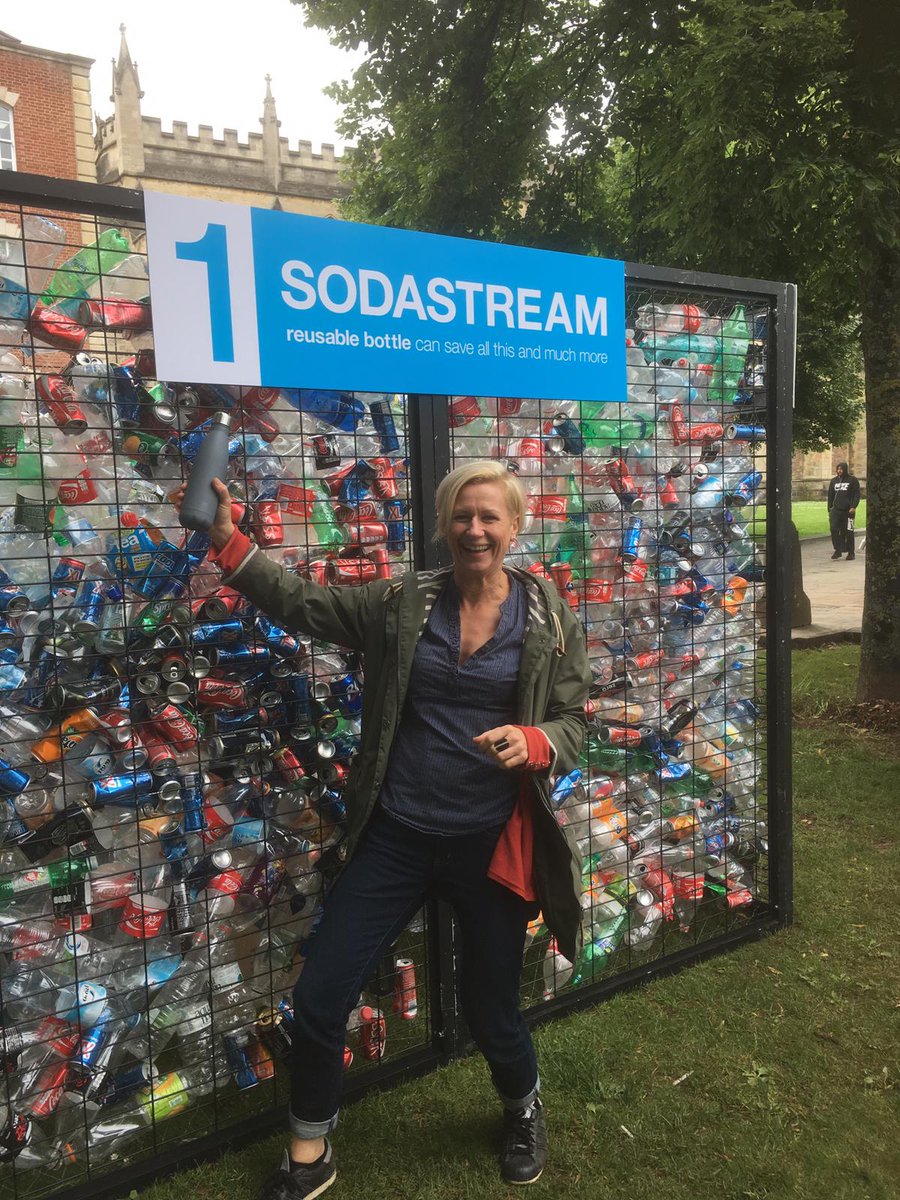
<point>198,508</point>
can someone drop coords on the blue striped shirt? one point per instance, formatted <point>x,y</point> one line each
<point>437,779</point>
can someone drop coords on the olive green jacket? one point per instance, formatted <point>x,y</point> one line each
<point>383,620</point>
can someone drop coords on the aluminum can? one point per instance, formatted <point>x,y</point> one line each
<point>326,454</point>
<point>123,790</point>
<point>160,757</point>
<point>372,1031</point>
<point>221,693</point>
<point>54,328</point>
<point>171,722</point>
<point>405,1002</point>
<point>218,633</point>
<point>62,404</point>
<point>267,523</point>
<point>385,429</point>
<point>238,1059</point>
<point>118,315</point>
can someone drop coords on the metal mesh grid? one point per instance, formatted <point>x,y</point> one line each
<point>646,516</point>
<point>172,765</point>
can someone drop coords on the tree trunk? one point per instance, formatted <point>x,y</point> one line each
<point>879,667</point>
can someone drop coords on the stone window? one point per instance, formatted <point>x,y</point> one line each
<point>7,139</point>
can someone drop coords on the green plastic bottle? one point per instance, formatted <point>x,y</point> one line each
<point>608,431</point>
<point>735,342</point>
<point>82,270</point>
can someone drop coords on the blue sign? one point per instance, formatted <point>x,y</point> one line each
<point>251,296</point>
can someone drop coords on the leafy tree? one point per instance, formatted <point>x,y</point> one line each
<point>755,137</point>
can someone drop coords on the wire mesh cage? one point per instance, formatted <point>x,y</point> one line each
<point>649,518</point>
<point>173,763</point>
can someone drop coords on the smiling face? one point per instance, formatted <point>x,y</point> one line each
<point>481,528</point>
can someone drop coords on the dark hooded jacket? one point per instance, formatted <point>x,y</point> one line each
<point>843,491</point>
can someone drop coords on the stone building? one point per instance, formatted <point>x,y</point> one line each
<point>811,473</point>
<point>45,111</point>
<point>133,150</point>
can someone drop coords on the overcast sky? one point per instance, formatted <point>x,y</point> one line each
<point>200,61</point>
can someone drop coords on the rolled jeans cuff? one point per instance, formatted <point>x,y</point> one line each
<point>516,1105</point>
<point>311,1129</point>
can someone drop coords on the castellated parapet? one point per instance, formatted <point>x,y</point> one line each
<point>134,150</point>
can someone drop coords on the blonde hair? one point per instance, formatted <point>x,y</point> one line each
<point>476,472</point>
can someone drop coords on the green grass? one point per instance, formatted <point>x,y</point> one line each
<point>811,517</point>
<point>768,1074</point>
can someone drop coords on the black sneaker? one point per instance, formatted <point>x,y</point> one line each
<point>837,554</point>
<point>303,1182</point>
<point>850,558</point>
<point>524,1143</point>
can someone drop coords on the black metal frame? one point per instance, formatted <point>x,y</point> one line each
<point>430,459</point>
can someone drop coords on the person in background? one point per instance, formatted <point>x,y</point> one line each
<point>476,681</point>
<point>843,497</point>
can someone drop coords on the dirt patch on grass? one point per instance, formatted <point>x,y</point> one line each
<point>881,717</point>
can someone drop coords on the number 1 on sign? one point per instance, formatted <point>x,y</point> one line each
<point>212,249</point>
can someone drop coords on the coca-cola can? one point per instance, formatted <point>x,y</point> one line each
<point>221,693</point>
<point>352,572</point>
<point>54,328</point>
<point>326,452</point>
<point>267,523</point>
<point>372,1032</point>
<point>160,757</point>
<point>405,1002</point>
<point>463,410</point>
<point>171,722</point>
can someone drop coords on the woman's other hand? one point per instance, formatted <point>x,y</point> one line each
<point>505,745</point>
<point>223,526</point>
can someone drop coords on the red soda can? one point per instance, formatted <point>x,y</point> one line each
<point>620,735</point>
<point>352,572</point>
<point>366,510</point>
<point>172,723</point>
<point>335,480</point>
<point>261,1060</point>
<point>48,1090</point>
<point>707,431</point>
<point>548,506</point>
<point>385,478</point>
<point>160,758</point>
<point>289,766</point>
<point>54,328</point>
<point>382,560</point>
<point>369,533</point>
<point>634,572</point>
<point>118,315</point>
<point>348,1058</point>
<point>538,568</point>
<point>317,569</point>
<point>643,662</point>
<point>405,1002</point>
<point>325,451</point>
<point>297,500</point>
<point>267,523</point>
<point>620,477</point>
<point>598,591</point>
<point>220,693</point>
<point>463,410</point>
<point>562,577</point>
<point>678,424</point>
<point>509,406</point>
<point>372,1033</point>
<point>62,404</point>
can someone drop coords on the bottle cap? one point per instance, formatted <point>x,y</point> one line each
<point>222,418</point>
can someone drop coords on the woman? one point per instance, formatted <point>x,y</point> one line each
<point>476,680</point>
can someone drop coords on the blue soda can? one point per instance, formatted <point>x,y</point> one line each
<point>239,1061</point>
<point>211,633</point>
<point>167,562</point>
<point>244,719</point>
<point>196,545</point>
<point>240,656</point>
<point>126,791</point>
<point>125,1083</point>
<point>279,641</point>
<point>631,539</point>
<point>564,787</point>
<point>88,605</point>
<point>385,429</point>
<point>672,771</point>
<point>566,429</point>
<point>173,842</point>
<point>192,802</point>
<point>745,433</point>
<point>331,805</point>
<point>299,700</point>
<point>126,396</point>
<point>12,599</point>
<point>8,635</point>
<point>356,485</point>
<point>92,1042</point>
<point>745,489</point>
<point>347,695</point>
<point>393,514</point>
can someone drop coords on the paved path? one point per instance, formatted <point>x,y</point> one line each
<point>835,591</point>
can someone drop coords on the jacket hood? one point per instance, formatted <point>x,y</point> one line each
<point>842,468</point>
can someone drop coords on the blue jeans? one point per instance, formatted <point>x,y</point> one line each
<point>394,870</point>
